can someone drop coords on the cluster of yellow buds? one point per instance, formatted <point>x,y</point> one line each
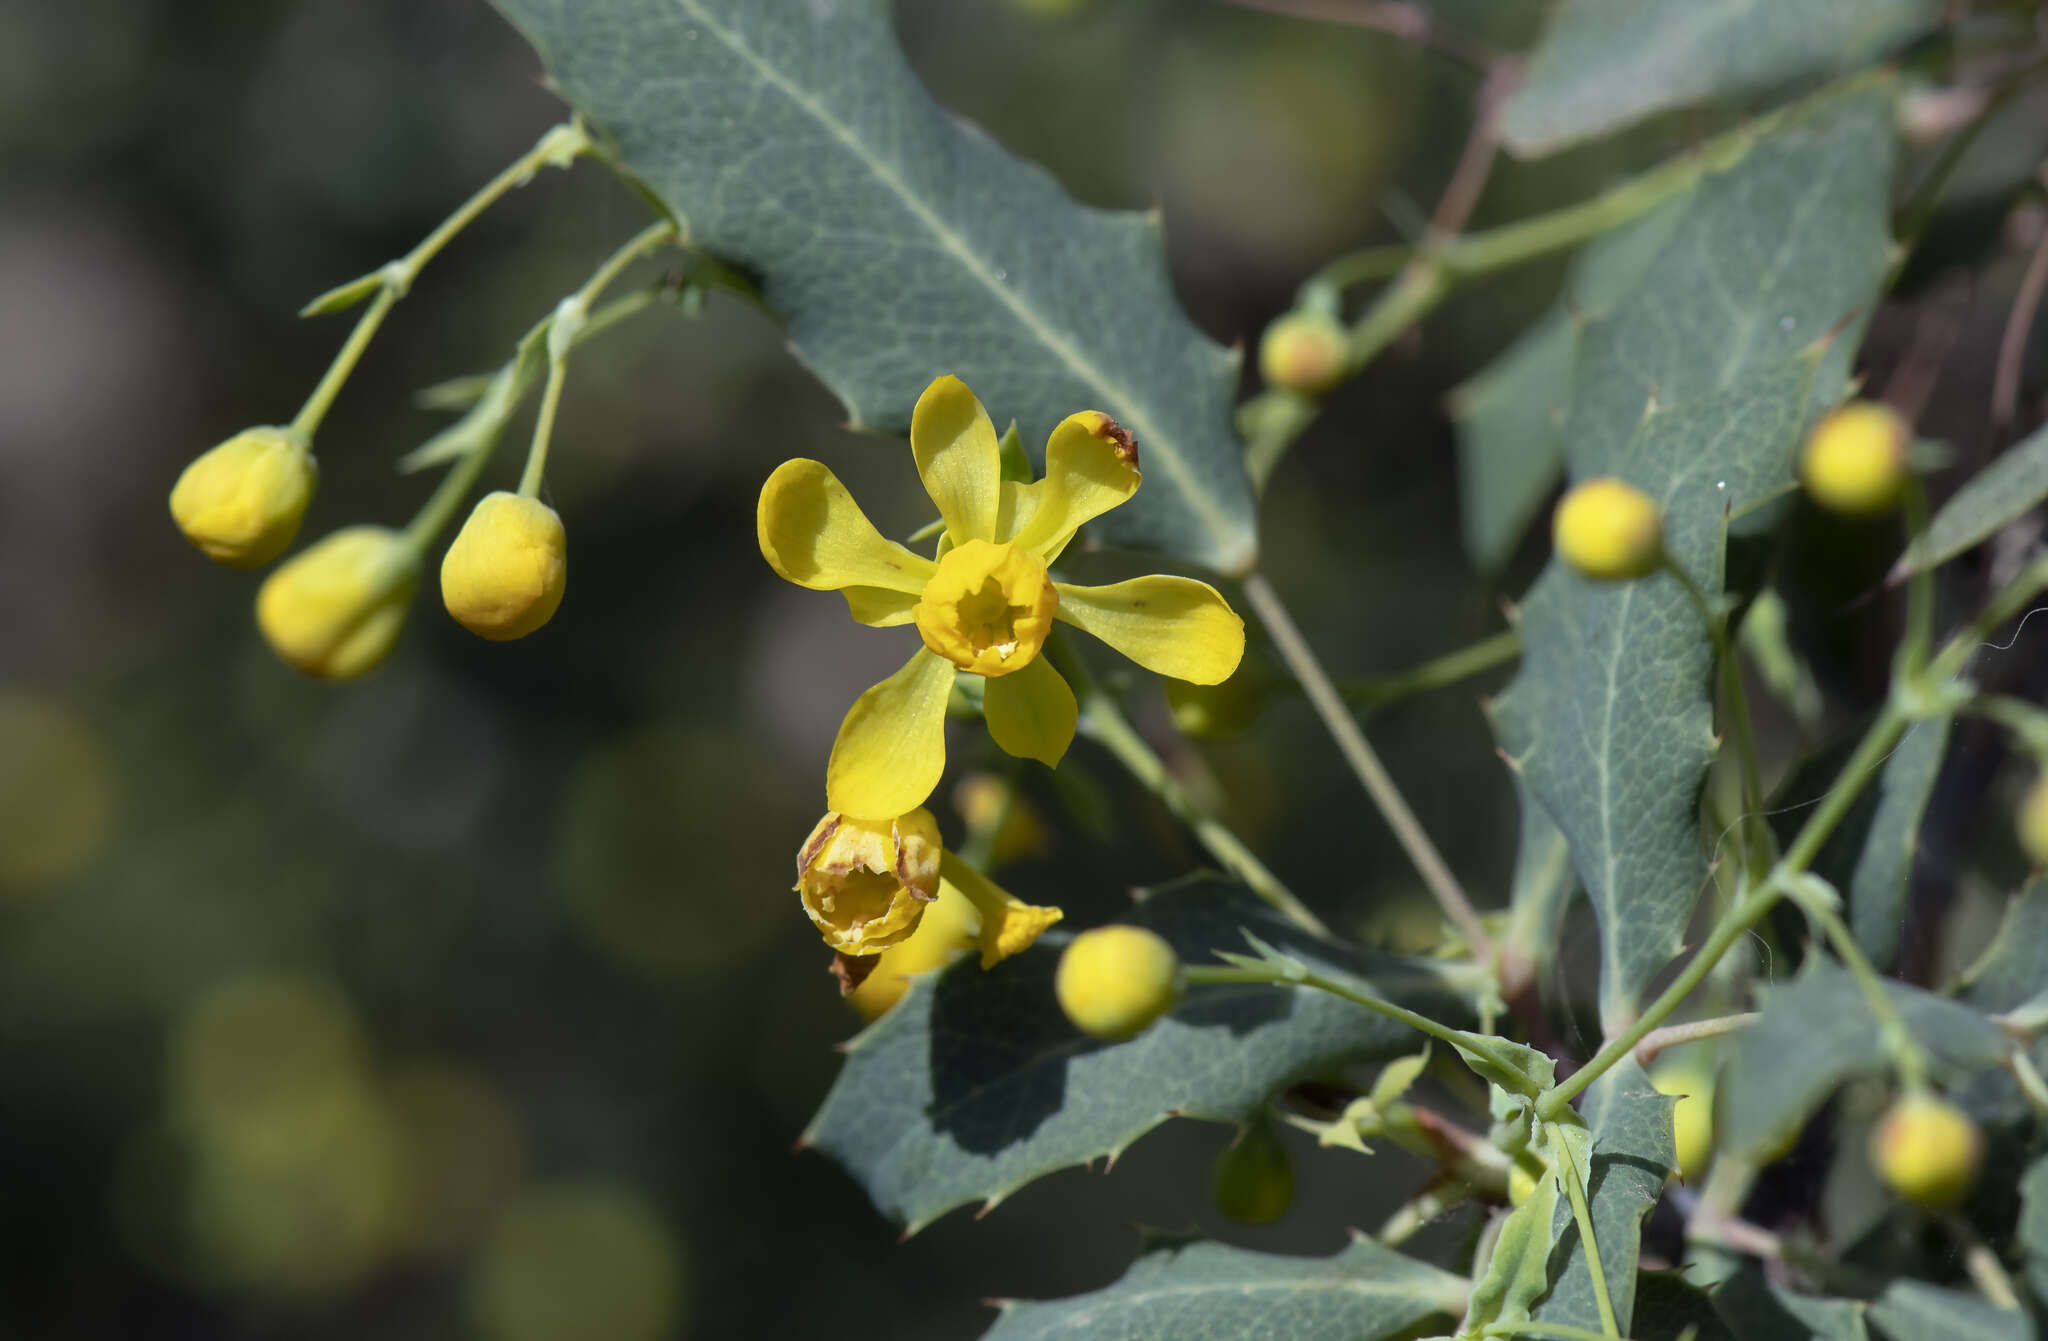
<point>335,610</point>
<point>984,604</point>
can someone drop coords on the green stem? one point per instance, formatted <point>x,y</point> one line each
<point>560,146</point>
<point>544,425</point>
<point>1103,722</point>
<point>1351,742</point>
<point>307,422</point>
<point>1986,1272</point>
<point>2029,1078</point>
<point>1557,1330</point>
<point>1908,1058</point>
<point>1300,975</point>
<point>1575,1190</point>
<point>1919,641</point>
<point>448,495</point>
<point>1378,691</point>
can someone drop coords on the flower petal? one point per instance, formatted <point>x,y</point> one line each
<point>880,608</point>
<point>958,458</point>
<point>815,535</point>
<point>1008,924</point>
<point>1172,626</point>
<point>891,748</point>
<point>1091,465</point>
<point>1031,712</point>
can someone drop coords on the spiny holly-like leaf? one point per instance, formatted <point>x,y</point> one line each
<point>1697,389</point>
<point>1607,63</point>
<point>1817,1032</point>
<point>1869,856</point>
<point>1912,1310</point>
<point>976,1084</point>
<point>1632,1155</point>
<point>792,140</point>
<point>2004,491</point>
<point>1210,1292</point>
<point>2013,970</point>
<point>1757,1310</point>
<point>1510,416</point>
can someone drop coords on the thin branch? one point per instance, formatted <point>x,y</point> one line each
<point>2005,387</point>
<point>1671,1035</point>
<point>1475,161</point>
<point>1409,22</point>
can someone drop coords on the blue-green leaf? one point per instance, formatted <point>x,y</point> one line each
<point>976,1084</point>
<point>1510,416</point>
<point>1817,1032</point>
<point>2033,1226</point>
<point>1632,1155</point>
<point>1210,1292</point>
<point>792,140</point>
<point>1913,1310</point>
<point>2004,491</point>
<point>1869,856</point>
<point>2013,970</point>
<point>1537,897</point>
<point>1755,1309</point>
<point>1605,64</point>
<point>1696,388</point>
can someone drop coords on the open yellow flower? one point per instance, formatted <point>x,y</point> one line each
<point>985,604</point>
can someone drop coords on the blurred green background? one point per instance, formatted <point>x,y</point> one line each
<point>471,999</point>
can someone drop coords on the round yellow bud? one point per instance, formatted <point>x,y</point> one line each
<point>864,883</point>
<point>1253,1179</point>
<point>242,502</point>
<point>945,933</point>
<point>1692,1118</point>
<point>1525,1175</point>
<point>1211,711</point>
<point>1855,462</point>
<point>1305,352</point>
<point>2033,822</point>
<point>1609,530</point>
<point>1113,981</point>
<point>334,611</point>
<point>1927,1150</point>
<point>504,575</point>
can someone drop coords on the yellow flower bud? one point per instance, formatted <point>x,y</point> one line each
<point>944,933</point>
<point>1525,1175</point>
<point>1692,1118</point>
<point>1609,530</point>
<point>1305,352</point>
<point>334,611</point>
<point>2033,822</point>
<point>865,883</point>
<point>504,575</point>
<point>1855,462</point>
<point>1207,711</point>
<point>241,503</point>
<point>1252,1181</point>
<point>1927,1150</point>
<point>1115,980</point>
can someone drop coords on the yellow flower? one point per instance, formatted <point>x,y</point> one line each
<point>866,884</point>
<point>1304,351</point>
<point>944,933</point>
<point>1691,1081</point>
<point>1609,530</point>
<point>335,610</point>
<point>504,575</point>
<point>2033,822</point>
<point>1855,462</point>
<point>986,603</point>
<point>241,503</point>
<point>1113,981</point>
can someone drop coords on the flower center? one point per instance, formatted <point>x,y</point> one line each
<point>857,898</point>
<point>988,608</point>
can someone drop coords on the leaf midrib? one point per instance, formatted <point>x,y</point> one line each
<point>1141,423</point>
